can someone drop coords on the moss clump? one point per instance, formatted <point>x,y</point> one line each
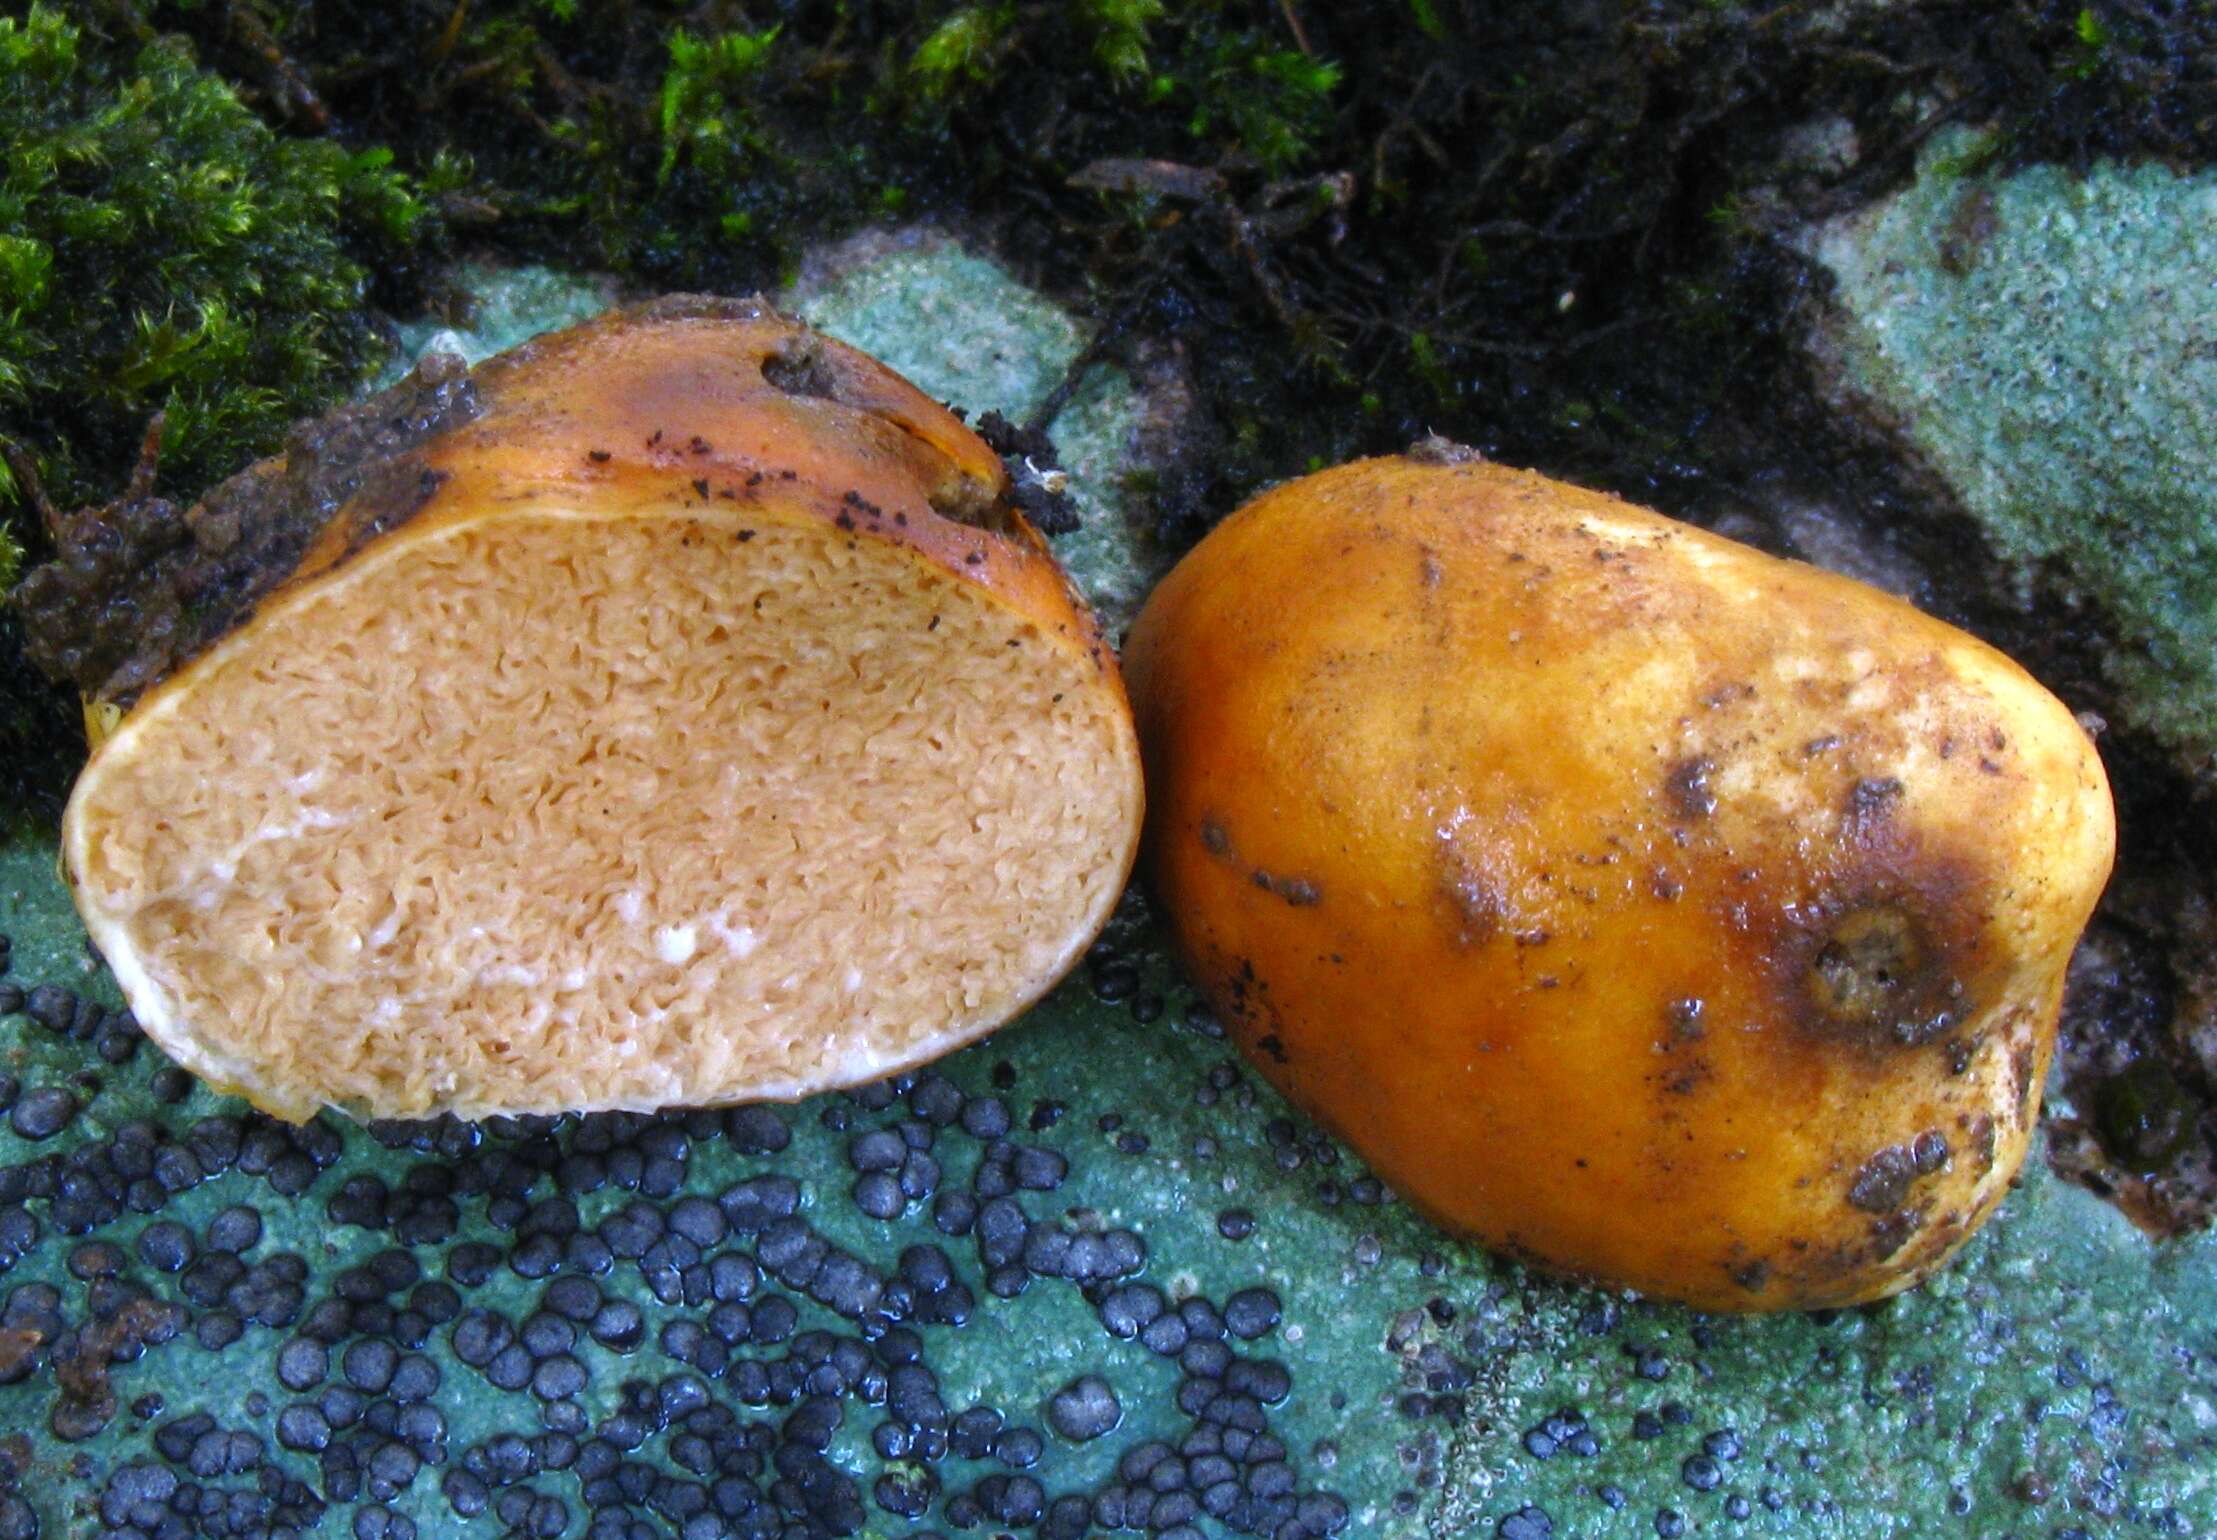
<point>165,251</point>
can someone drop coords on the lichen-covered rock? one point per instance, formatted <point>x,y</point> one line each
<point>2044,339</point>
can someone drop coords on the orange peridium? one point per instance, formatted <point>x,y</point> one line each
<point>1667,914</point>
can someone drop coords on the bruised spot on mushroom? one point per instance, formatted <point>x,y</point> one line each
<point>1960,1051</point>
<point>1687,788</point>
<point>1300,892</point>
<point>800,369</point>
<point>1870,803</point>
<point>1883,1181</point>
<point>1752,1276</point>
<point>1214,839</point>
<point>1684,1018</point>
<point>1474,907</point>
<point>1875,972</point>
<point>2020,1067</point>
<point>1982,1143</point>
<point>1274,1045</point>
<point>1891,1232</point>
<point>1929,1152</point>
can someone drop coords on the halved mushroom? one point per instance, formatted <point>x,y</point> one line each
<point>674,710</point>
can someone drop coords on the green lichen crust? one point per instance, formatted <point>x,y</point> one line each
<point>2044,339</point>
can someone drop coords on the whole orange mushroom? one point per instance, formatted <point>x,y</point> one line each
<point>1667,914</point>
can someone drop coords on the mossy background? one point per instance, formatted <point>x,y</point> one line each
<point>1547,229</point>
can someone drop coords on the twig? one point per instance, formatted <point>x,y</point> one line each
<point>294,94</point>
<point>26,476</point>
<point>150,459</point>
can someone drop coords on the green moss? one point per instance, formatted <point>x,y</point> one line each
<point>704,116</point>
<point>961,50</point>
<point>165,251</point>
<point>1120,35</point>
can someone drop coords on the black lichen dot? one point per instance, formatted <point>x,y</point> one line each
<point>1084,1409</point>
<point>42,1112</point>
<point>1252,1313</point>
<point>878,1195</point>
<point>166,1246</point>
<point>1527,1523</point>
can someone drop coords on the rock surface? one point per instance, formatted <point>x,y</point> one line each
<point>2048,342</point>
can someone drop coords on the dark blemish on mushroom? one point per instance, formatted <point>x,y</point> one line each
<point>801,369</point>
<point>1475,909</point>
<point>745,535</point>
<point>1664,884</point>
<point>2020,1065</point>
<point>1687,788</point>
<point>1214,839</point>
<point>1752,1276</point>
<point>1273,1045</point>
<point>1982,1142</point>
<point>1876,971</point>
<point>1870,803</point>
<point>1300,892</point>
<point>1823,745</point>
<point>1728,694</point>
<point>699,445</point>
<point>1890,1234</point>
<point>1885,1179</point>
<point>1684,1017</point>
<point>1929,1152</point>
<point>934,625</point>
<point>597,456</point>
<point>700,488</point>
